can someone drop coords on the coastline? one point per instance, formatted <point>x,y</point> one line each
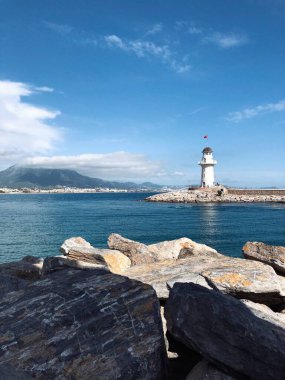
<point>8,191</point>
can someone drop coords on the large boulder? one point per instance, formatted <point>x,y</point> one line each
<point>241,278</point>
<point>79,250</point>
<point>10,283</point>
<point>117,262</point>
<point>28,268</point>
<point>234,336</point>
<point>138,253</point>
<point>269,254</point>
<point>83,325</point>
<point>170,249</point>
<point>181,248</point>
<point>245,279</point>
<point>74,243</point>
<point>19,274</point>
<point>55,263</point>
<point>206,371</point>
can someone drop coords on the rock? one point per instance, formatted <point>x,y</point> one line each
<point>238,277</point>
<point>269,254</point>
<point>83,325</point>
<point>74,243</point>
<point>29,268</point>
<point>212,195</point>
<point>117,262</point>
<point>264,312</point>
<point>80,250</point>
<point>245,279</point>
<point>9,283</point>
<point>227,332</point>
<point>19,274</point>
<point>138,253</point>
<point>55,263</point>
<point>8,372</point>
<point>206,371</point>
<point>181,248</point>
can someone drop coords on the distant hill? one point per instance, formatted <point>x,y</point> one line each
<point>19,177</point>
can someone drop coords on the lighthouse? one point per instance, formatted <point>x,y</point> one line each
<point>207,164</point>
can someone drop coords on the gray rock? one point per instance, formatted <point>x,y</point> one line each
<point>227,332</point>
<point>55,263</point>
<point>138,253</point>
<point>269,254</point>
<point>241,278</point>
<point>19,274</point>
<point>8,372</point>
<point>83,325</point>
<point>29,268</point>
<point>9,283</point>
<point>206,371</point>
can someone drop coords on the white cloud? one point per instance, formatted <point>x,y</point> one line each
<point>156,28</point>
<point>194,30</point>
<point>179,174</point>
<point>59,28</point>
<point>116,165</point>
<point>142,49</point>
<point>24,127</point>
<point>226,41</point>
<point>249,113</point>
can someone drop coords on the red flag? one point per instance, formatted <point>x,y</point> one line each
<point>205,137</point>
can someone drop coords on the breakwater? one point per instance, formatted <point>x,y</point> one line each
<point>219,195</point>
<point>257,192</point>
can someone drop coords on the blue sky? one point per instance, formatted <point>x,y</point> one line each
<point>127,89</point>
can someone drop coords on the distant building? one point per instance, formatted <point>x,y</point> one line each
<point>207,164</point>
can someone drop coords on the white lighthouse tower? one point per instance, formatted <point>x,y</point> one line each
<point>207,165</point>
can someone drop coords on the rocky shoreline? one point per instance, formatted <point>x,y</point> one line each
<point>212,196</point>
<point>171,310</point>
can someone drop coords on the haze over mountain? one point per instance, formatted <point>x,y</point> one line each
<point>17,176</point>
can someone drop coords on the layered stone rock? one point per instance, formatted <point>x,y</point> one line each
<point>84,255</point>
<point>138,253</point>
<point>56,263</point>
<point>241,278</point>
<point>28,268</point>
<point>181,248</point>
<point>229,333</point>
<point>117,262</point>
<point>74,243</point>
<point>18,274</point>
<point>269,254</point>
<point>83,325</point>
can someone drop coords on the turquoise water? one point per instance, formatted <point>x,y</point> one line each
<point>38,224</point>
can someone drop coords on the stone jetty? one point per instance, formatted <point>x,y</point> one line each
<point>170,310</point>
<point>218,195</point>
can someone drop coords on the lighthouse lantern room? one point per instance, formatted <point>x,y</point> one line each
<point>207,164</point>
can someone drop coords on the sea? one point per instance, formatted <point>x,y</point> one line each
<point>37,224</point>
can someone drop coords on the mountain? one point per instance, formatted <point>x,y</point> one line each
<point>17,177</point>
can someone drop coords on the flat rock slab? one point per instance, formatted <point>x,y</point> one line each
<point>227,332</point>
<point>238,277</point>
<point>269,254</point>
<point>83,325</point>
<point>245,279</point>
